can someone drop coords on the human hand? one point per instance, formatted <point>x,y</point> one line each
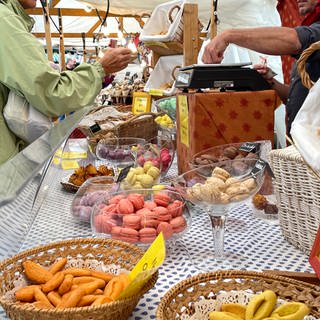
<point>115,59</point>
<point>213,52</point>
<point>306,6</point>
<point>266,72</point>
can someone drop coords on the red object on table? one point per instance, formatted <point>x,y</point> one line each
<point>76,134</point>
<point>314,257</point>
<point>216,118</point>
<point>290,17</point>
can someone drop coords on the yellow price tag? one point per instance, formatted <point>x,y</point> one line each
<point>69,164</point>
<point>74,155</point>
<point>58,153</point>
<point>146,267</point>
<point>156,92</point>
<point>184,119</point>
<point>56,161</point>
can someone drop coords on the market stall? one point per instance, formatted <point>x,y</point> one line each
<point>140,206</point>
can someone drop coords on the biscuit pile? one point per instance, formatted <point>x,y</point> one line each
<point>261,307</point>
<point>57,287</point>
<point>222,188</point>
<point>81,174</point>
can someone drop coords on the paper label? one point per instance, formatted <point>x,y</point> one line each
<point>58,153</point>
<point>184,119</point>
<point>69,164</point>
<point>146,267</point>
<point>74,155</point>
<point>250,147</point>
<point>156,92</point>
<point>140,105</point>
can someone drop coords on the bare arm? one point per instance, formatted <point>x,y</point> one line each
<point>268,40</point>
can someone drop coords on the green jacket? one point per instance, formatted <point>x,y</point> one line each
<point>24,68</point>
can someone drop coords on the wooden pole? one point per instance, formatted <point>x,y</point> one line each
<point>61,44</point>
<point>190,34</point>
<point>83,35</point>
<point>47,31</point>
<point>214,19</point>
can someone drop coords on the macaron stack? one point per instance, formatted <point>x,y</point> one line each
<point>222,188</point>
<point>141,177</point>
<point>131,218</point>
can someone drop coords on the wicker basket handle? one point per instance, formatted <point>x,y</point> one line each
<point>301,64</point>
<point>171,11</point>
<point>173,73</point>
<point>153,114</point>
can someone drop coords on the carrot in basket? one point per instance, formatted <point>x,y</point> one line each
<point>25,294</point>
<point>36,273</point>
<point>58,266</point>
<point>53,283</point>
<point>66,284</point>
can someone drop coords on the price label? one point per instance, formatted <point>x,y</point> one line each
<point>250,147</point>
<point>95,128</point>
<point>146,267</point>
<point>123,173</point>
<point>156,92</point>
<point>184,119</point>
<point>140,105</point>
<point>69,164</point>
<point>259,166</point>
<point>74,155</point>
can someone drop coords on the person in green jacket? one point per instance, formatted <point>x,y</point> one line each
<point>24,69</point>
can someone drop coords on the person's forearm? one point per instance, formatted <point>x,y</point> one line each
<point>281,89</point>
<point>268,40</point>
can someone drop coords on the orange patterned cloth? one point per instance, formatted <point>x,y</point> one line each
<point>219,118</point>
<point>290,17</point>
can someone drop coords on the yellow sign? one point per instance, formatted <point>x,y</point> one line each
<point>146,267</point>
<point>69,164</point>
<point>184,119</point>
<point>156,92</point>
<point>74,155</point>
<point>141,102</point>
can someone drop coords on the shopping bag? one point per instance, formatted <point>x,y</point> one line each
<point>305,129</point>
<point>23,119</point>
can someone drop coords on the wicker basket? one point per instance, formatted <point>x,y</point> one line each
<point>180,299</point>
<point>297,187</point>
<point>139,126</point>
<point>298,196</point>
<point>106,250</point>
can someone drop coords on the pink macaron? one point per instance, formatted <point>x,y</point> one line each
<point>175,208</point>
<point>147,235</point>
<point>178,224</point>
<point>129,235</point>
<point>161,199</point>
<point>110,208</point>
<point>143,212</point>
<point>132,221</point>
<point>166,228</point>
<point>104,223</point>
<point>149,221</point>
<point>125,234</point>
<point>137,200</point>
<point>150,204</point>
<point>116,199</point>
<point>125,207</point>
<point>162,213</point>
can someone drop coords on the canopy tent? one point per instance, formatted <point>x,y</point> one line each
<point>76,20</point>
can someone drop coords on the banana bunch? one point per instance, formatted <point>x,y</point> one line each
<point>164,121</point>
<point>261,307</point>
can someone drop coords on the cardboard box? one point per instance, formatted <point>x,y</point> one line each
<point>205,120</point>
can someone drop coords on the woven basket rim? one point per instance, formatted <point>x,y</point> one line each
<point>223,274</point>
<point>75,241</point>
